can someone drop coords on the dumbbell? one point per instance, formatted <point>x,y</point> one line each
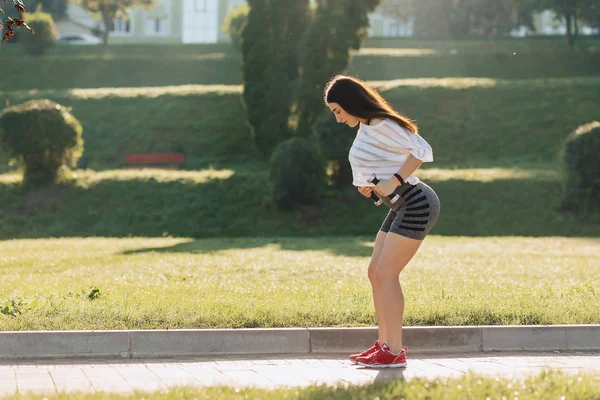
<point>374,180</point>
<point>376,199</point>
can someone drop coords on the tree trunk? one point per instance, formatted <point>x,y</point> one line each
<point>467,28</point>
<point>107,18</point>
<point>570,37</point>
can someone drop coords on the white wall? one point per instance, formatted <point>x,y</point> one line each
<point>384,26</point>
<point>200,21</point>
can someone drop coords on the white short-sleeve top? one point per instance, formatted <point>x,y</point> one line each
<point>382,149</point>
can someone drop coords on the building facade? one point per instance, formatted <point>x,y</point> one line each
<point>200,21</point>
<point>168,21</point>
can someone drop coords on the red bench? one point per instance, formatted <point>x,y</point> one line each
<point>164,160</point>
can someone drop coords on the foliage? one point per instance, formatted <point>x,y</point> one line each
<point>269,51</point>
<point>234,23</point>
<point>43,136</point>
<point>582,169</point>
<point>108,10</point>
<point>487,18</point>
<point>10,22</point>
<point>334,141</point>
<point>570,11</point>
<point>339,26</point>
<point>47,35</point>
<point>297,174</point>
<point>449,18</point>
<point>57,8</point>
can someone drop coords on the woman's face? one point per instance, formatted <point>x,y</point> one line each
<point>342,116</point>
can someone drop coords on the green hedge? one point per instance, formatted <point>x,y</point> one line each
<point>297,174</point>
<point>45,35</point>
<point>43,137</point>
<point>581,158</point>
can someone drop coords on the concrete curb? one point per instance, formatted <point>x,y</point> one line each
<point>202,342</point>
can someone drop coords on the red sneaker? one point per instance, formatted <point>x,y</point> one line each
<point>365,353</point>
<point>382,358</point>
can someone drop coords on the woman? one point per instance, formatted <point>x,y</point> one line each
<point>387,144</point>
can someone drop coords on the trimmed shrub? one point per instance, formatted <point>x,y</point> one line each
<point>297,174</point>
<point>45,36</point>
<point>582,169</point>
<point>337,28</point>
<point>334,141</point>
<point>43,137</point>
<point>234,23</point>
<point>270,42</point>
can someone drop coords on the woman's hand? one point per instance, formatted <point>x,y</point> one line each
<point>386,187</point>
<point>365,191</point>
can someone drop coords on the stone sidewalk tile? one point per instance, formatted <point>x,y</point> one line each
<point>144,383</point>
<point>269,371</point>
<point>104,378</point>
<point>178,382</point>
<point>243,378</point>
<point>70,379</point>
<point>8,386</point>
<point>282,377</point>
<point>166,371</point>
<point>203,375</point>
<point>73,385</point>
<point>35,383</point>
<point>6,372</point>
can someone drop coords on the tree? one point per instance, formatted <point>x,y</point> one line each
<point>569,10</point>
<point>456,18</point>
<point>460,18</point>
<point>234,23</point>
<point>270,44</point>
<point>56,8</point>
<point>522,12</point>
<point>10,23</point>
<point>44,25</point>
<point>591,14</point>
<point>108,10</point>
<point>402,10</point>
<point>338,27</point>
<point>487,18</point>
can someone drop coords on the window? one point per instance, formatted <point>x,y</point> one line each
<point>200,5</point>
<point>200,21</point>
<point>121,25</point>
<point>158,26</point>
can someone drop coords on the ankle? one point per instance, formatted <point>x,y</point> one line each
<point>396,350</point>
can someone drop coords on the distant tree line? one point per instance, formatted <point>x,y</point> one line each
<point>488,18</point>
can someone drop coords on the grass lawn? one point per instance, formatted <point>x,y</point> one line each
<point>470,122</point>
<point>551,385</point>
<point>203,247</point>
<point>66,67</point>
<point>232,202</point>
<point>159,283</point>
<point>496,142</point>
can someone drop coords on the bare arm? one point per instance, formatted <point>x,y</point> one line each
<point>409,167</point>
<point>387,186</point>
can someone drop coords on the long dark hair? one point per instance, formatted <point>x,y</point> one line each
<point>362,101</point>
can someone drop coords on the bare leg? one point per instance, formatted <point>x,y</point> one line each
<point>397,253</point>
<point>377,250</point>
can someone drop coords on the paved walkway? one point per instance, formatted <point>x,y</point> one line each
<point>47,377</point>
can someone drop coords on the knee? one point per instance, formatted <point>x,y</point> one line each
<point>384,274</point>
<point>372,273</point>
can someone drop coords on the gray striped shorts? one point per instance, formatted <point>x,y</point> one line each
<point>414,214</point>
